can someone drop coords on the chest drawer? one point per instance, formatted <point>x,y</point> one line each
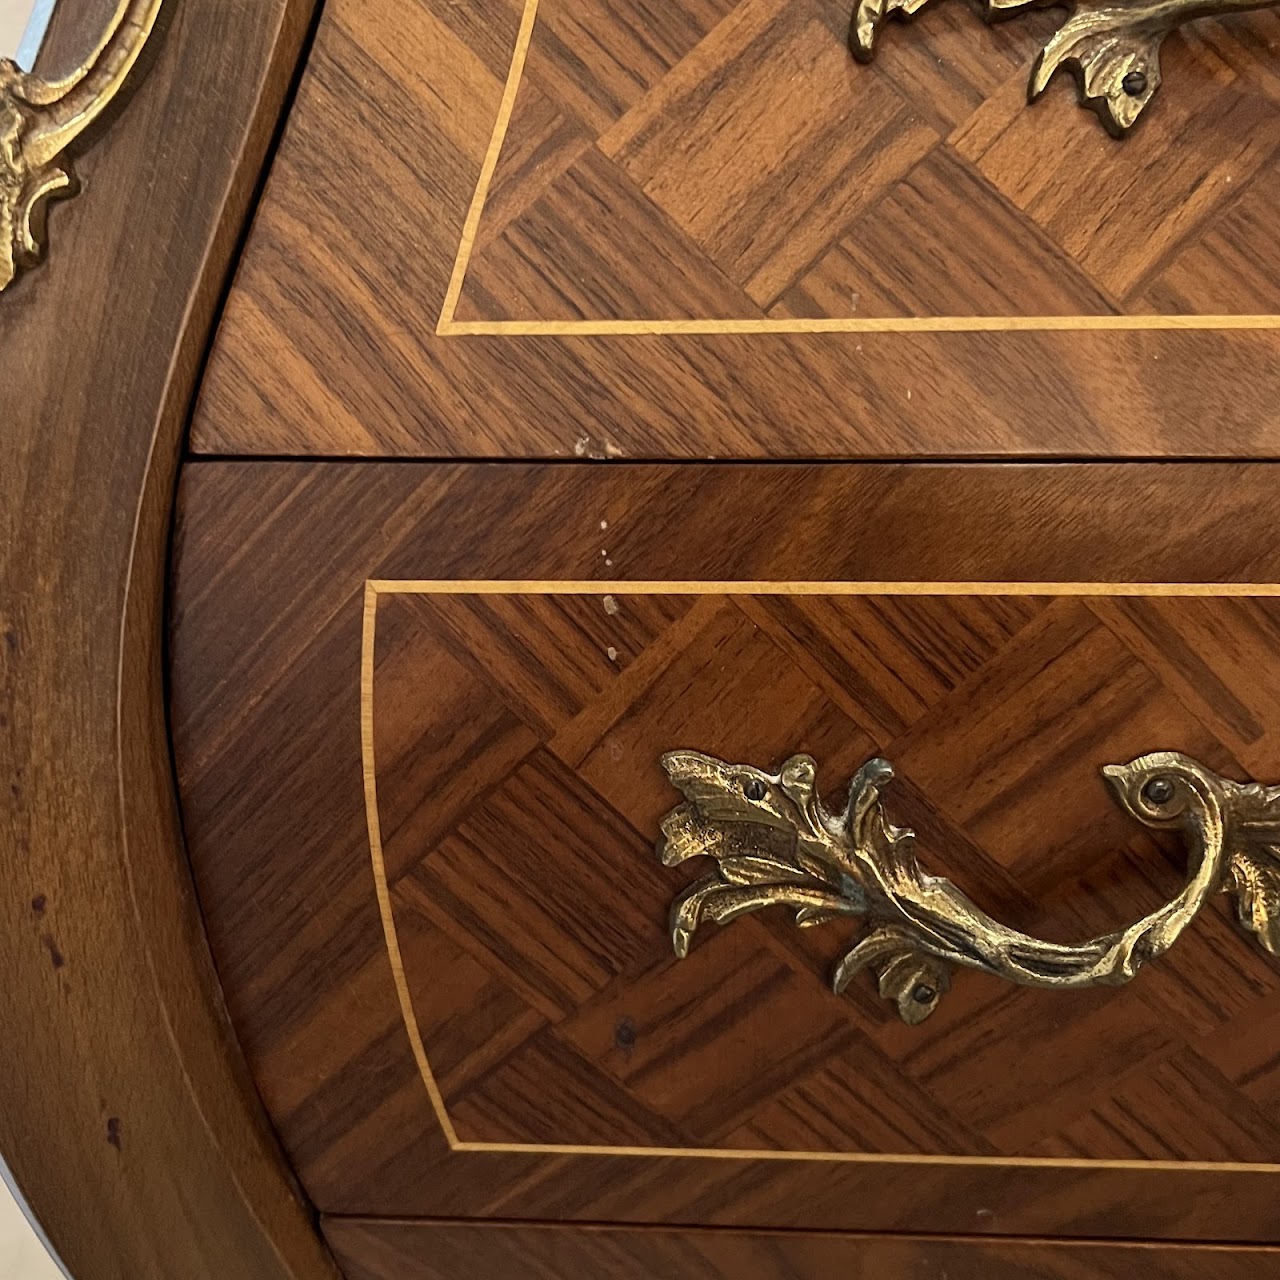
<point>420,716</point>
<point>586,228</point>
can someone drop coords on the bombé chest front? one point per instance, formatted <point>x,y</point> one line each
<point>630,427</point>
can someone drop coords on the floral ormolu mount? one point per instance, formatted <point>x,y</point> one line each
<point>41,120</point>
<point>1113,48</point>
<point>775,844</point>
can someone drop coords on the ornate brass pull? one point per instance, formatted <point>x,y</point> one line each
<point>1112,47</point>
<point>776,845</point>
<point>40,120</point>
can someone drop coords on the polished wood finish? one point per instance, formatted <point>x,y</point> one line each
<point>75,27</point>
<point>518,793</point>
<point>381,1250</point>
<point>127,1117</point>
<point>728,163</point>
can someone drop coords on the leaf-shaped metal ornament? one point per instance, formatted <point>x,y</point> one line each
<point>40,120</point>
<point>1111,46</point>
<point>1255,880</point>
<point>767,836</point>
<point>775,844</point>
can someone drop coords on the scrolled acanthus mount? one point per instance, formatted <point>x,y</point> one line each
<point>1111,46</point>
<point>41,119</point>
<point>775,844</point>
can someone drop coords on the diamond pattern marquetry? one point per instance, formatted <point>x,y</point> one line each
<point>539,868</point>
<point>775,177</point>
<point>515,734</point>
<point>699,228</point>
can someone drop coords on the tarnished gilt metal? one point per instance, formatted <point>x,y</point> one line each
<point>41,119</point>
<point>1113,49</point>
<point>776,845</point>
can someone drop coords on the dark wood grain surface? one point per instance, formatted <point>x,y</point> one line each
<point>75,27</point>
<point>518,792</point>
<point>718,161</point>
<point>126,1115</point>
<point>518,741</point>
<point>380,1250</point>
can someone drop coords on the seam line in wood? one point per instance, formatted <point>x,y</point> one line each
<point>578,587</point>
<point>449,328</point>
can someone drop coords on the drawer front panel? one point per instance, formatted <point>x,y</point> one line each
<point>513,767</point>
<point>420,761</point>
<point>713,234</point>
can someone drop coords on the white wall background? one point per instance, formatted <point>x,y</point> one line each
<point>19,18</point>
<point>13,22</point>
<point>22,1254</point>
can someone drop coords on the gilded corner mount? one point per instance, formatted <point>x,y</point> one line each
<point>775,844</point>
<point>41,119</point>
<point>1113,49</point>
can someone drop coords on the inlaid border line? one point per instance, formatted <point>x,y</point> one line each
<point>379,866</point>
<point>377,587</point>
<point>445,325</point>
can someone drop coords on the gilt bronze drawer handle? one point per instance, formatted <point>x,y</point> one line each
<point>1113,48</point>
<point>41,119</point>
<point>775,844</point>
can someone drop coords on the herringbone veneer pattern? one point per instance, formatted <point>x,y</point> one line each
<point>741,146</point>
<point>519,793</point>
<point>517,740</point>
<point>895,260</point>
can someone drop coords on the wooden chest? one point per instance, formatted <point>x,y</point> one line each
<point>645,463</point>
